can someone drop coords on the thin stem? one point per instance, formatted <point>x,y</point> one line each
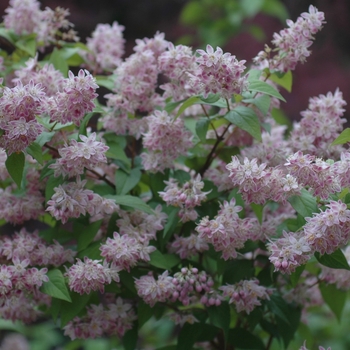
<point>268,345</point>
<point>212,125</point>
<point>212,152</point>
<point>103,178</point>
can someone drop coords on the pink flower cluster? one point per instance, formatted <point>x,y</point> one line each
<point>187,247</point>
<point>50,79</point>
<point>125,251</point>
<point>289,252</point>
<point>106,47</point>
<point>328,230</point>
<point>218,73</point>
<point>246,294</point>
<point>227,232</point>
<point>175,63</point>
<point>292,43</point>
<point>152,290</point>
<point>320,125</point>
<point>79,155</point>
<point>113,318</point>
<point>75,99</point>
<point>71,200</point>
<point>19,106</point>
<point>310,171</point>
<point>257,183</point>
<point>165,140</point>
<point>187,197</point>
<point>90,275</point>
<point>25,17</point>
<point>25,246</point>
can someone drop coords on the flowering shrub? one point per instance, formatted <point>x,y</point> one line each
<point>184,201</point>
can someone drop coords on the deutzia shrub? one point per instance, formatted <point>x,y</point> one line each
<point>185,202</point>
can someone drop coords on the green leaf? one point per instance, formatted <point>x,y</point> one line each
<point>86,233</point>
<point>126,182</point>
<point>144,313</point>
<point>262,103</point>
<point>246,119</point>
<point>69,310</point>
<point>132,202</point>
<point>15,166</point>
<point>275,8</point>
<point>56,286</point>
<point>305,204</point>
<point>251,7</point>
<point>242,339</point>
<point>130,339</point>
<point>212,98</point>
<point>188,103</point>
<point>188,335</point>
<point>334,298</point>
<point>286,81</point>
<point>27,44</point>
<point>202,128</point>
<point>344,137</point>
<point>219,316</point>
<point>105,81</point>
<point>92,251</point>
<point>36,152</point>
<point>172,221</point>
<point>258,210</point>
<point>237,270</point>
<point>59,62</point>
<point>84,123</point>
<point>44,137</point>
<point>265,88</point>
<point>278,306</point>
<point>336,260</point>
<point>287,330</point>
<point>116,151</point>
<point>294,276</point>
<point>163,261</point>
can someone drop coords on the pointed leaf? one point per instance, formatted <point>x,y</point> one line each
<point>132,202</point>
<point>36,152</point>
<point>202,128</point>
<point>15,166</point>
<point>246,119</point>
<point>265,88</point>
<point>188,103</point>
<point>344,137</point>
<point>262,102</point>
<point>286,80</point>
<point>305,204</point>
<point>126,182</point>
<point>56,286</point>
<point>69,310</point>
<point>336,260</point>
<point>334,298</point>
<point>163,261</point>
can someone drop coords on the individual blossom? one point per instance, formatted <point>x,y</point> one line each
<point>303,347</point>
<point>292,43</point>
<point>186,197</point>
<point>218,73</point>
<point>89,275</point>
<point>246,294</point>
<point>289,252</point>
<point>152,290</point>
<point>165,140</point>
<point>89,153</point>
<point>157,44</point>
